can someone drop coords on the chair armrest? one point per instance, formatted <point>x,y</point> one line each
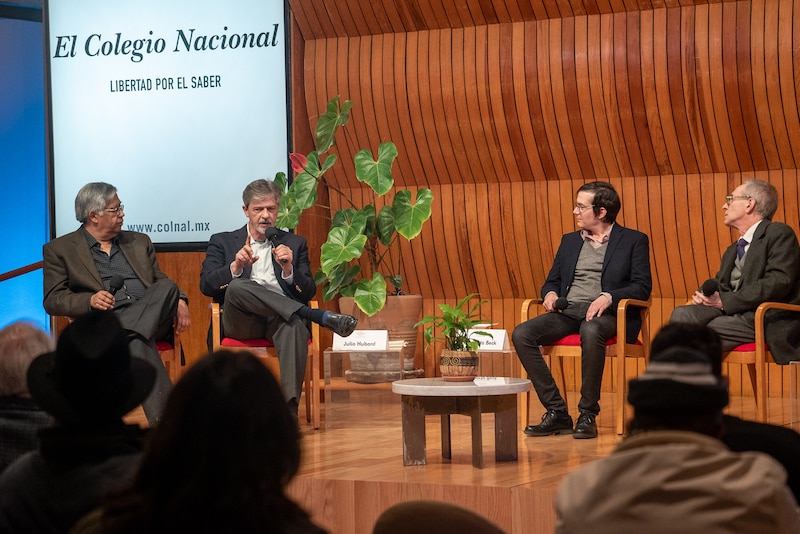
<point>622,319</point>
<point>315,342</point>
<point>760,317</point>
<point>216,320</point>
<point>524,314</point>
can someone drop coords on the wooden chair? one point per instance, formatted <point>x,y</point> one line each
<point>756,356</point>
<point>266,351</point>
<point>170,352</point>
<point>570,347</point>
<point>171,355</point>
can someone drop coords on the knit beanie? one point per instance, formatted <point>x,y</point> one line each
<point>678,380</point>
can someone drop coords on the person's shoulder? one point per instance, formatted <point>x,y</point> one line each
<point>227,235</point>
<point>64,240</point>
<point>776,227</point>
<point>21,469</point>
<point>130,236</point>
<point>290,236</point>
<point>737,429</point>
<point>628,232</point>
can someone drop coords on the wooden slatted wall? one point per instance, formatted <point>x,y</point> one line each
<point>505,107</point>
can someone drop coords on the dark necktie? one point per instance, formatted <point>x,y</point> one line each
<point>740,247</point>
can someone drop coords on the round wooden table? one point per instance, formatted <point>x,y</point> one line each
<point>435,396</point>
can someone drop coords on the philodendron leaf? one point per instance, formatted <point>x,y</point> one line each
<point>386,227</point>
<point>376,173</point>
<point>343,245</point>
<point>304,188</point>
<point>330,121</point>
<point>281,181</point>
<point>408,217</point>
<point>370,295</point>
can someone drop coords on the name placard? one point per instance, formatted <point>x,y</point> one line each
<point>362,340</point>
<point>498,341</point>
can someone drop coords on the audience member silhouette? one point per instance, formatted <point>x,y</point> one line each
<point>781,443</point>
<point>88,384</point>
<point>671,473</point>
<point>20,417</point>
<point>219,461</point>
<point>432,517</point>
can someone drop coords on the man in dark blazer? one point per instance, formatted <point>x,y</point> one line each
<point>593,270</point>
<point>262,277</point>
<point>101,267</point>
<point>762,266</point>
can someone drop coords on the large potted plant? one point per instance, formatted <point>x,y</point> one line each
<point>355,229</point>
<point>358,231</point>
<point>455,327</point>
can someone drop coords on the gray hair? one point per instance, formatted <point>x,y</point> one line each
<point>765,195</point>
<point>258,189</point>
<point>93,197</point>
<point>20,343</point>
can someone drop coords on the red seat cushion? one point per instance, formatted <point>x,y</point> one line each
<point>253,343</point>
<point>574,340</point>
<point>163,345</point>
<point>747,347</point>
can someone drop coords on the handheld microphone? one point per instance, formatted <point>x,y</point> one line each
<point>561,304</point>
<point>115,284</point>
<point>709,287</point>
<point>272,234</point>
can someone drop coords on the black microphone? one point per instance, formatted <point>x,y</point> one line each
<point>709,287</point>
<point>115,284</point>
<point>272,235</point>
<point>561,304</point>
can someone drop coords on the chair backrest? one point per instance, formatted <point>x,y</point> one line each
<point>171,352</point>
<point>432,517</point>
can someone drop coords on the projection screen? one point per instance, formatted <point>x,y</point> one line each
<point>178,104</point>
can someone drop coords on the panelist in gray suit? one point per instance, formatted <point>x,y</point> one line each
<point>99,266</point>
<point>762,266</point>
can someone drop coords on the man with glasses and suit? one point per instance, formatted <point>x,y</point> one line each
<point>99,266</point>
<point>594,268</point>
<point>762,266</point>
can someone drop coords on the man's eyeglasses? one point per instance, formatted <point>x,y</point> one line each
<point>581,208</point>
<point>731,198</point>
<point>116,210</point>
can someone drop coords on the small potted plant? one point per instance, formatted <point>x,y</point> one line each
<point>459,358</point>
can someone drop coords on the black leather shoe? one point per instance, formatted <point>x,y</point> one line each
<point>340,323</point>
<point>552,423</point>
<point>586,427</point>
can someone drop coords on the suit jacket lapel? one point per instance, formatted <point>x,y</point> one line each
<point>613,241</point>
<point>84,255</point>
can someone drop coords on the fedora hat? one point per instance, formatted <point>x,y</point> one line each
<point>91,376</point>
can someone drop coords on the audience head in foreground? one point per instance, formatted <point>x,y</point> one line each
<point>88,384</point>
<point>20,417</point>
<point>782,443</point>
<point>221,458</point>
<point>672,473</point>
<point>432,517</point>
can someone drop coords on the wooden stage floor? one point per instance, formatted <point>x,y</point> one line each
<point>352,467</point>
